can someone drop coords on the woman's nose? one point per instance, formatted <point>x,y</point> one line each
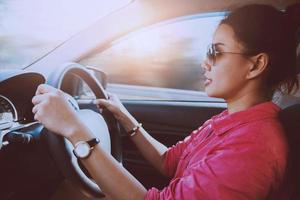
<point>205,65</point>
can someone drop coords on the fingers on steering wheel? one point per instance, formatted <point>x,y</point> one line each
<point>44,88</point>
<point>38,99</point>
<point>101,103</point>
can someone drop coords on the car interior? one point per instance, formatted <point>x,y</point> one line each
<point>38,164</point>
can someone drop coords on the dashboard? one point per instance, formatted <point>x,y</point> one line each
<point>16,91</point>
<point>23,167</point>
<point>8,113</point>
<point>34,161</point>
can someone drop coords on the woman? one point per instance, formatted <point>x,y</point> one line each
<point>238,154</point>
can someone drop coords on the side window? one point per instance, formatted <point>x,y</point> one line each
<point>160,62</point>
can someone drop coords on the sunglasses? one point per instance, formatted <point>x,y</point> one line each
<point>212,54</point>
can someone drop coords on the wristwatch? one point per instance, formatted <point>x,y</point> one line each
<point>82,149</point>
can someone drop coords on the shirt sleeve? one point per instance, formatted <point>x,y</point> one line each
<point>174,153</point>
<point>237,170</point>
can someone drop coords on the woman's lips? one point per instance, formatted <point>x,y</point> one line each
<point>207,82</point>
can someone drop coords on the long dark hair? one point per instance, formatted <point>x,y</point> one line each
<point>264,29</point>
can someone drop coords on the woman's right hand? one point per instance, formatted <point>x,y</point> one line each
<point>114,105</point>
<point>52,109</point>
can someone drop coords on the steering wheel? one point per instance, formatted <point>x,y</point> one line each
<point>104,126</point>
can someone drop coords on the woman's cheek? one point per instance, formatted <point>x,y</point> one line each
<point>214,89</point>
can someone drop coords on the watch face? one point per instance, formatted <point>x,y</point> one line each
<point>82,149</point>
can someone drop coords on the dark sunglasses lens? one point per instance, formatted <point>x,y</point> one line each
<point>211,55</point>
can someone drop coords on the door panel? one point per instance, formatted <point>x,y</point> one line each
<point>168,122</point>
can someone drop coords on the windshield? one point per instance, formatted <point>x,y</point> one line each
<point>32,28</point>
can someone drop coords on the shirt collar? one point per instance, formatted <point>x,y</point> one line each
<point>224,122</point>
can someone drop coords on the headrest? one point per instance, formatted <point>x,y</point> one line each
<point>290,117</point>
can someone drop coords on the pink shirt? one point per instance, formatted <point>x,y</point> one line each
<point>232,156</point>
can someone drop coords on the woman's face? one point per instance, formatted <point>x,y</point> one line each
<point>226,77</point>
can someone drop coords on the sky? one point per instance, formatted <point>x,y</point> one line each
<point>55,17</point>
<point>39,25</point>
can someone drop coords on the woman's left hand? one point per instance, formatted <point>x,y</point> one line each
<point>52,109</point>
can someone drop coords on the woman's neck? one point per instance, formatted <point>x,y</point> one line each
<point>245,101</point>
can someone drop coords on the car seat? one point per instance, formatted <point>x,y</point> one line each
<point>290,119</point>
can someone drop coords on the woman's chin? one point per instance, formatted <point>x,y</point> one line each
<point>211,93</point>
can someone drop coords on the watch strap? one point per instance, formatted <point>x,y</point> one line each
<point>93,142</point>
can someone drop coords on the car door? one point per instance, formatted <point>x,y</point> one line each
<point>157,75</point>
<point>168,122</point>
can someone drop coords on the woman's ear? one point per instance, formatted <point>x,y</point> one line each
<point>258,66</point>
